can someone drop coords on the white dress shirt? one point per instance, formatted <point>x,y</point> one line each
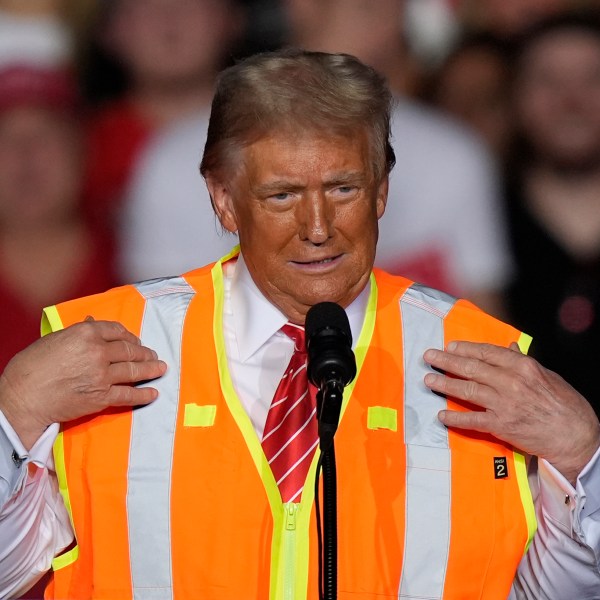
<point>34,525</point>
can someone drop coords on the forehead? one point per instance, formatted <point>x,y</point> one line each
<point>304,154</point>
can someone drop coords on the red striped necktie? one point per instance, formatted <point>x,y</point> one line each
<point>290,435</point>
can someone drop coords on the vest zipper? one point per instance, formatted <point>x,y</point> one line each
<point>289,558</point>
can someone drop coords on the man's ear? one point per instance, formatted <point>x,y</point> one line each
<point>382,195</point>
<point>222,203</point>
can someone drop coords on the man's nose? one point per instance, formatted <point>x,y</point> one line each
<point>316,218</point>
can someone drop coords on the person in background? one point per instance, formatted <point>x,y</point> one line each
<point>553,196</point>
<point>473,85</point>
<point>47,249</point>
<point>198,484</point>
<point>168,52</point>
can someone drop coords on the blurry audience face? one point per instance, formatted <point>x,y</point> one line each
<point>365,29</point>
<point>558,97</point>
<point>40,166</point>
<point>169,41</point>
<point>473,86</point>
<point>508,17</point>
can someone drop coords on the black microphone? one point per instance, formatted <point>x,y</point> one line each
<point>331,363</point>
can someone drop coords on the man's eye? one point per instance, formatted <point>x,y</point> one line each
<point>345,191</point>
<point>281,196</point>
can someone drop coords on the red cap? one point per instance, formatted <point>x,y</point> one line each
<point>48,87</point>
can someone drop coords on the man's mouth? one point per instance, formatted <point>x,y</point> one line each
<point>322,261</point>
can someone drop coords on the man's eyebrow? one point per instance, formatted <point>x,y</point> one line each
<point>276,186</point>
<point>281,185</point>
<point>346,177</point>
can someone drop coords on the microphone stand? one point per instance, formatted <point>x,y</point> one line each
<point>329,404</point>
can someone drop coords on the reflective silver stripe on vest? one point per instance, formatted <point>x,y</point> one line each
<point>152,439</point>
<point>427,534</point>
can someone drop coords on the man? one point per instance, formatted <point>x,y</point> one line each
<point>177,498</point>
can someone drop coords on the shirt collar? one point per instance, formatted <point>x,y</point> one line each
<point>255,319</point>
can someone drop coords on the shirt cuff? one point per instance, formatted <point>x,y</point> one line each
<point>560,500</point>
<point>14,458</point>
<point>580,505</point>
<point>587,523</point>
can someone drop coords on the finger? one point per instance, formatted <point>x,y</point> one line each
<point>514,346</point>
<point>124,351</point>
<point>463,389</point>
<point>109,331</point>
<point>128,395</point>
<point>473,420</point>
<point>135,372</point>
<point>465,367</point>
<point>491,354</point>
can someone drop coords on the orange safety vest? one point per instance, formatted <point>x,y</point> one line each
<point>175,500</point>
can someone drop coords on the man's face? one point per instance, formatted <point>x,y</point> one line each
<point>306,209</point>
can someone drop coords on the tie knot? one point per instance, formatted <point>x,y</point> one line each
<point>295,332</point>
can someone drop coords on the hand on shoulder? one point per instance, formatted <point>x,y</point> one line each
<point>76,372</point>
<point>525,404</point>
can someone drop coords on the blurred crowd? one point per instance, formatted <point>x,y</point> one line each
<point>495,196</point>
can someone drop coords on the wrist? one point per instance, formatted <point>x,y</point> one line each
<point>570,468</point>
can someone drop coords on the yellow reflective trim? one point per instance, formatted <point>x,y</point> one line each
<point>521,469</point>
<point>51,320</point>
<point>199,416</point>
<point>66,559</point>
<point>382,417</point>
<point>364,340</point>
<point>526,498</point>
<point>524,342</point>
<point>243,420</point>
<point>235,406</point>
<point>232,254</point>
<point>58,450</point>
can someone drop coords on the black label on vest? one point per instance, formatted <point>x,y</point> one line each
<point>500,467</point>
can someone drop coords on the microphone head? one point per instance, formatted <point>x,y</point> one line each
<point>329,344</point>
<point>327,314</point>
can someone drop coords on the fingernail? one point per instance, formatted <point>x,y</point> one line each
<point>429,355</point>
<point>429,379</point>
<point>451,346</point>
